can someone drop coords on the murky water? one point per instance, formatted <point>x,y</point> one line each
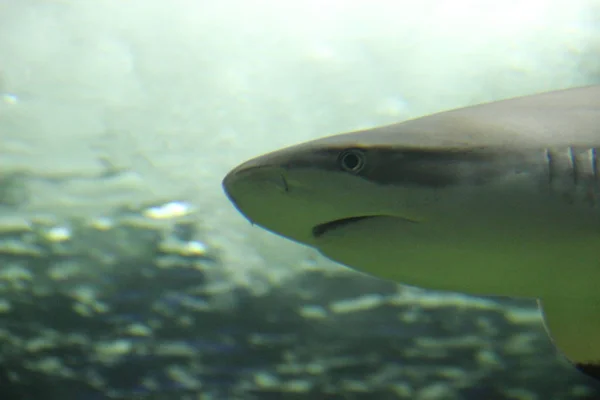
<point>126,274</point>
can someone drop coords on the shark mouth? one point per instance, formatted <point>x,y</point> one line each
<point>321,229</point>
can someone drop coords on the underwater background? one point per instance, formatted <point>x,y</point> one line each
<point>126,274</point>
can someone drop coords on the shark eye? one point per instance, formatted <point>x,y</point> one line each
<point>352,160</point>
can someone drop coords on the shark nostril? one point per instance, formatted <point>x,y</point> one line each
<point>285,186</point>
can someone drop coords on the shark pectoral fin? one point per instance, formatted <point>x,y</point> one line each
<point>574,326</point>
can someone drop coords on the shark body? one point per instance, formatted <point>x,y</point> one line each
<point>499,199</point>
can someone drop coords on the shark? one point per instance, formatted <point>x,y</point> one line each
<point>494,199</point>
